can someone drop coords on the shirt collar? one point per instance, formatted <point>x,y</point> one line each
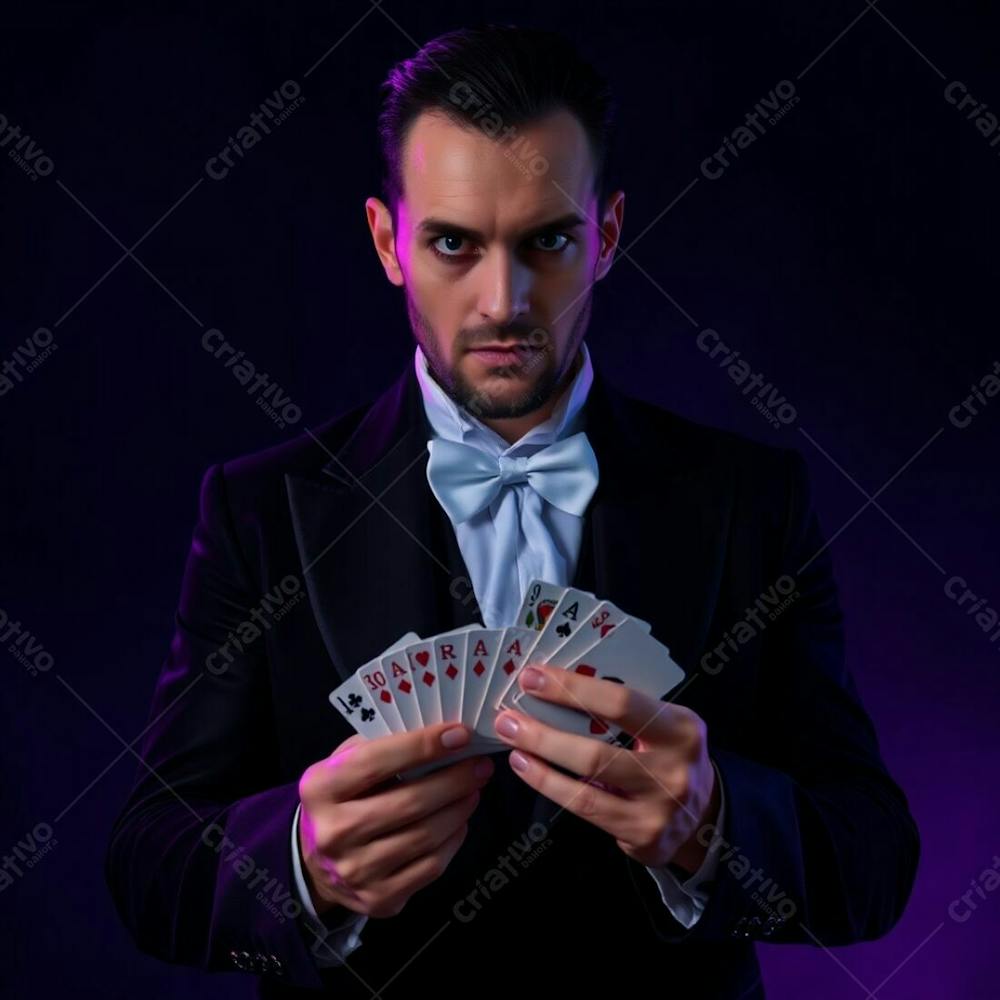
<point>454,423</point>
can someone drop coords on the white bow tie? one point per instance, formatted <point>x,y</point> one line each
<point>466,479</point>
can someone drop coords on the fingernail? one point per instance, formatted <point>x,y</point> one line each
<point>532,679</point>
<point>507,726</point>
<point>456,737</point>
<point>518,761</point>
<point>483,768</point>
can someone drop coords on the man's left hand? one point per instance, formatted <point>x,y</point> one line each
<point>652,798</point>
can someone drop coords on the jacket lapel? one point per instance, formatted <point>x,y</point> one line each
<point>374,567</point>
<point>659,519</point>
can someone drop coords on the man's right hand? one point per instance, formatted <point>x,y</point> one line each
<point>369,842</point>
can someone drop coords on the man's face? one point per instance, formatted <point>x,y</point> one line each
<point>498,243</point>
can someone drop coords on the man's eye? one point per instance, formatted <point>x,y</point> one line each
<point>549,238</point>
<point>448,246</point>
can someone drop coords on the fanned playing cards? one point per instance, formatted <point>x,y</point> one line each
<point>468,675</point>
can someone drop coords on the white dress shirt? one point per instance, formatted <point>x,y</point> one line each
<point>547,548</point>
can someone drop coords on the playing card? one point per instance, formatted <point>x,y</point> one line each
<point>425,679</point>
<point>449,660</point>
<point>605,617</point>
<point>513,648</point>
<point>539,601</point>
<point>378,684</point>
<point>573,611</point>
<point>355,704</point>
<point>627,655</point>
<point>481,649</point>
<point>346,697</point>
<point>398,671</point>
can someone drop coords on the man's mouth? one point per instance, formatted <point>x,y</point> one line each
<point>504,354</point>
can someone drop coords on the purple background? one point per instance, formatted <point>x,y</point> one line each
<point>847,254</point>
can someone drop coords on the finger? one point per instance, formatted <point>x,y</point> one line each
<point>587,757</point>
<point>657,722</point>
<point>349,772</point>
<point>386,812</point>
<point>386,855</point>
<point>402,884</point>
<point>609,812</point>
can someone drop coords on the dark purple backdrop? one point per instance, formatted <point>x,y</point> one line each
<point>847,254</point>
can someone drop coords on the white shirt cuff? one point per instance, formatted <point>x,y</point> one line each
<point>332,944</point>
<point>686,900</point>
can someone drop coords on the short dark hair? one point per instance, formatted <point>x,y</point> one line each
<point>503,74</point>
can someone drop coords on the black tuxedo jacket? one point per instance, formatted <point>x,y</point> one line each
<point>334,551</point>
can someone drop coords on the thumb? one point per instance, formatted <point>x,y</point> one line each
<point>351,741</point>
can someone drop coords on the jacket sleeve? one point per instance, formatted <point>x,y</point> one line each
<point>818,845</point>
<point>199,861</point>
<point>686,898</point>
<point>333,943</point>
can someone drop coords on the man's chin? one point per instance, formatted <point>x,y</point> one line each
<point>495,397</point>
<point>485,403</point>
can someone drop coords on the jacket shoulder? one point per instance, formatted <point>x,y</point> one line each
<point>255,481</point>
<point>701,445</point>
<point>768,485</point>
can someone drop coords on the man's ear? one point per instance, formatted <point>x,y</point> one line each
<point>380,224</point>
<point>611,231</point>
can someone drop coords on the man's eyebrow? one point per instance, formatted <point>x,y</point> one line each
<point>436,225</point>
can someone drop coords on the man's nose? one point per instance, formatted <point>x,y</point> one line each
<point>505,284</point>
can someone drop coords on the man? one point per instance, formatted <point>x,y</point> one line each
<point>262,836</point>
